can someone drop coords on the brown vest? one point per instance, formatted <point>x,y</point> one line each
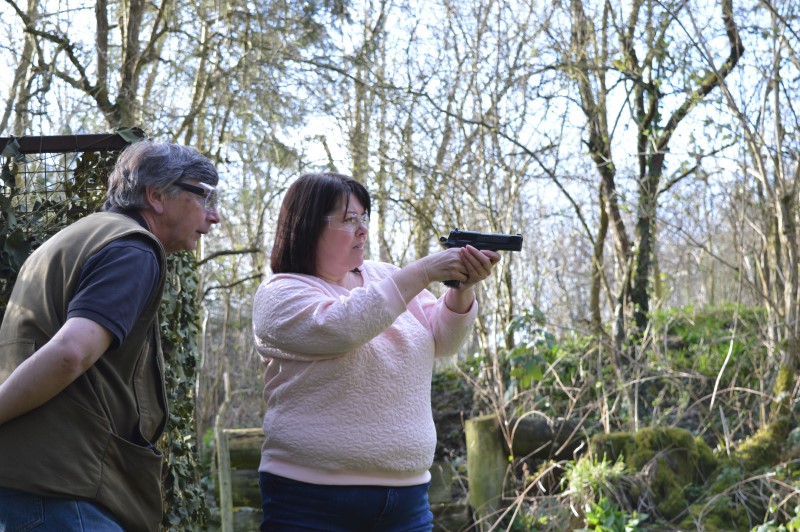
<point>95,439</point>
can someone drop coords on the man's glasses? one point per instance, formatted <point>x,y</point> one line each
<point>350,223</point>
<point>204,190</point>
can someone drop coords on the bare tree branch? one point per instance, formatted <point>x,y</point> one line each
<point>224,253</point>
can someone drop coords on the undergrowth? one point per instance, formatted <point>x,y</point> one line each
<point>703,372</point>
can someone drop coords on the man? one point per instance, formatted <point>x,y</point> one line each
<point>82,399</point>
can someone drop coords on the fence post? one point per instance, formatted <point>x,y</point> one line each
<point>224,463</point>
<point>487,462</point>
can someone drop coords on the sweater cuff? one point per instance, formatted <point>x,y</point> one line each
<point>456,319</point>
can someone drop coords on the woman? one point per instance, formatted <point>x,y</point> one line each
<point>349,346</point>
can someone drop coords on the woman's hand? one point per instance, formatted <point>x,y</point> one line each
<point>444,265</point>
<point>479,264</point>
<point>466,265</point>
<point>439,266</point>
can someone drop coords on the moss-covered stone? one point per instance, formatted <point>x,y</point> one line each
<point>719,514</point>
<point>674,459</point>
<point>764,448</point>
<point>761,451</point>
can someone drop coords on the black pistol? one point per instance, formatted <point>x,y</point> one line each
<point>490,241</point>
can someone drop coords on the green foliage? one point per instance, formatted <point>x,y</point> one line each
<point>528,361</point>
<point>675,459</point>
<point>525,521</point>
<point>530,365</point>
<point>668,469</point>
<point>452,402</point>
<point>605,516</point>
<point>773,526</point>
<point>702,337</point>
<point>692,354</point>
<point>589,478</point>
<point>29,217</point>
<point>764,448</point>
<point>184,498</point>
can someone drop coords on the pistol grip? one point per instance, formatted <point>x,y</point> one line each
<point>452,283</point>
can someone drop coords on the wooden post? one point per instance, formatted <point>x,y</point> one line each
<point>245,447</point>
<point>224,463</point>
<point>487,462</point>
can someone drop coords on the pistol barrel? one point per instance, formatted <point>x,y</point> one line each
<point>490,241</point>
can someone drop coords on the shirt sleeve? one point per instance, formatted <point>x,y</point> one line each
<point>450,329</point>
<point>299,317</point>
<point>115,286</point>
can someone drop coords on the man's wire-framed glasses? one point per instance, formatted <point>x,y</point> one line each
<point>350,223</point>
<point>204,190</point>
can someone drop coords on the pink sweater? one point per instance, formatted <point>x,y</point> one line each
<point>348,377</point>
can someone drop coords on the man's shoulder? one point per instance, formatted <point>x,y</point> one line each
<point>109,219</point>
<point>131,245</point>
<point>102,223</point>
<point>112,227</point>
<point>86,237</point>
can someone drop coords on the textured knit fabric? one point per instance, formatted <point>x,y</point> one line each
<point>347,382</point>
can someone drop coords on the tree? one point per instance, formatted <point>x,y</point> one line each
<point>115,97</point>
<point>767,119</point>
<point>625,62</point>
<point>21,89</point>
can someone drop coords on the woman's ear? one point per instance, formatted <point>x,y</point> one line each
<point>155,198</point>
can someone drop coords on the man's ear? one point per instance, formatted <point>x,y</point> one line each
<point>155,198</point>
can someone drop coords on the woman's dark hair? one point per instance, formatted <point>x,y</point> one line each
<point>302,218</point>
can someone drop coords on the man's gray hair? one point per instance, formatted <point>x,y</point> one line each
<point>157,165</point>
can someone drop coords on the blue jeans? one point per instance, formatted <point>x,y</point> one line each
<point>292,506</point>
<point>21,511</point>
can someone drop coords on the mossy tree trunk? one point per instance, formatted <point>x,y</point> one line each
<point>592,51</point>
<point>638,49</point>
